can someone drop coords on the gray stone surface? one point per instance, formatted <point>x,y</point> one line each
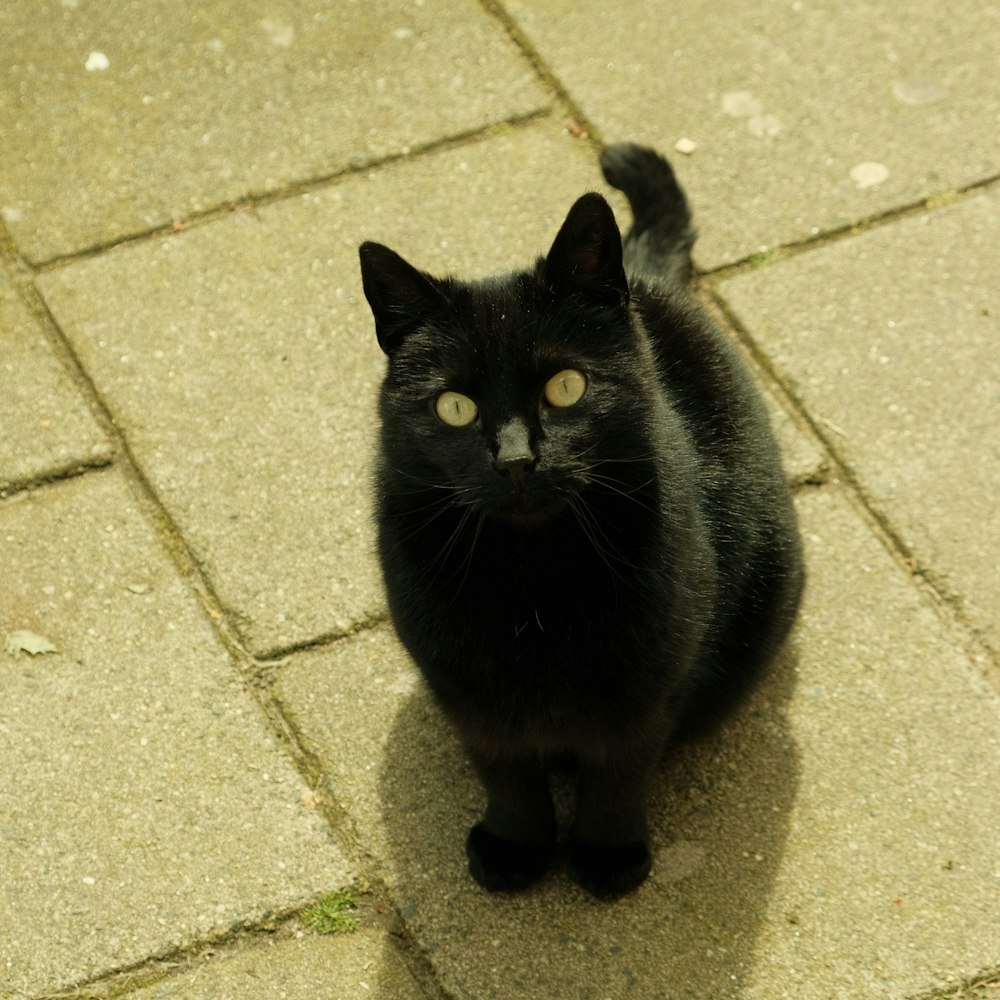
<point>899,365</point>
<point>240,359</point>
<point>361,966</point>
<point>45,426</point>
<point>839,839</point>
<point>145,803</point>
<point>785,100</point>
<point>120,116</point>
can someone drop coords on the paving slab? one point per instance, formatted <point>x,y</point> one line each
<point>806,116</point>
<point>837,839</point>
<point>121,116</point>
<point>47,428</point>
<point>145,803</point>
<point>361,966</point>
<point>890,339</point>
<point>240,359</point>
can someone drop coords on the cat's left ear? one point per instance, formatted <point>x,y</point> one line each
<point>401,297</point>
<point>586,255</point>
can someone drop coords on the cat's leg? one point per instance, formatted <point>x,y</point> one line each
<point>609,842</point>
<point>514,843</point>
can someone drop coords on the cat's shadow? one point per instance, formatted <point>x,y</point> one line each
<point>720,816</point>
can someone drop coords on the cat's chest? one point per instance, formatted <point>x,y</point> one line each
<point>476,590</point>
<point>531,594</point>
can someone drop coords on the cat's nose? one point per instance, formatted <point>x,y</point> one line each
<point>517,468</point>
<point>514,455</point>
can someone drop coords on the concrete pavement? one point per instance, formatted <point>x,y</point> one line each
<point>224,729</point>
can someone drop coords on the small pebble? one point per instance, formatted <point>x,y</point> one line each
<point>96,61</point>
<point>868,174</point>
<point>685,146</point>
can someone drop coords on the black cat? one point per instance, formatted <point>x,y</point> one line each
<point>587,540</point>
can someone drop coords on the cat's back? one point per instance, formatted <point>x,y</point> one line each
<point>707,382</point>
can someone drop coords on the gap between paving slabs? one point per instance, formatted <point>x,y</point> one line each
<point>787,251</point>
<point>153,109</point>
<point>252,202</point>
<point>283,955</point>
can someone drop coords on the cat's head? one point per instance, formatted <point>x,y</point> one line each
<point>514,393</point>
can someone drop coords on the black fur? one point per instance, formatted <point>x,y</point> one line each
<point>592,581</point>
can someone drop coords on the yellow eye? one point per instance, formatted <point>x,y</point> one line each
<point>566,388</point>
<point>455,409</point>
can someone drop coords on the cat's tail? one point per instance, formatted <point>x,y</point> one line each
<point>662,233</point>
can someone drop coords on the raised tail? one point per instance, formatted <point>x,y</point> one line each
<point>662,235</point>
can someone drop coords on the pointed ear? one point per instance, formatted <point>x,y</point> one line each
<point>400,296</point>
<point>586,255</point>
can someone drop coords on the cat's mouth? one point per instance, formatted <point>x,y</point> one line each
<point>525,502</point>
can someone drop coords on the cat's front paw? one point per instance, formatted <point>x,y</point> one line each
<point>502,865</point>
<point>609,870</point>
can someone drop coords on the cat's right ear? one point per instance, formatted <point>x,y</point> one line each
<point>400,296</point>
<point>586,256</point>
